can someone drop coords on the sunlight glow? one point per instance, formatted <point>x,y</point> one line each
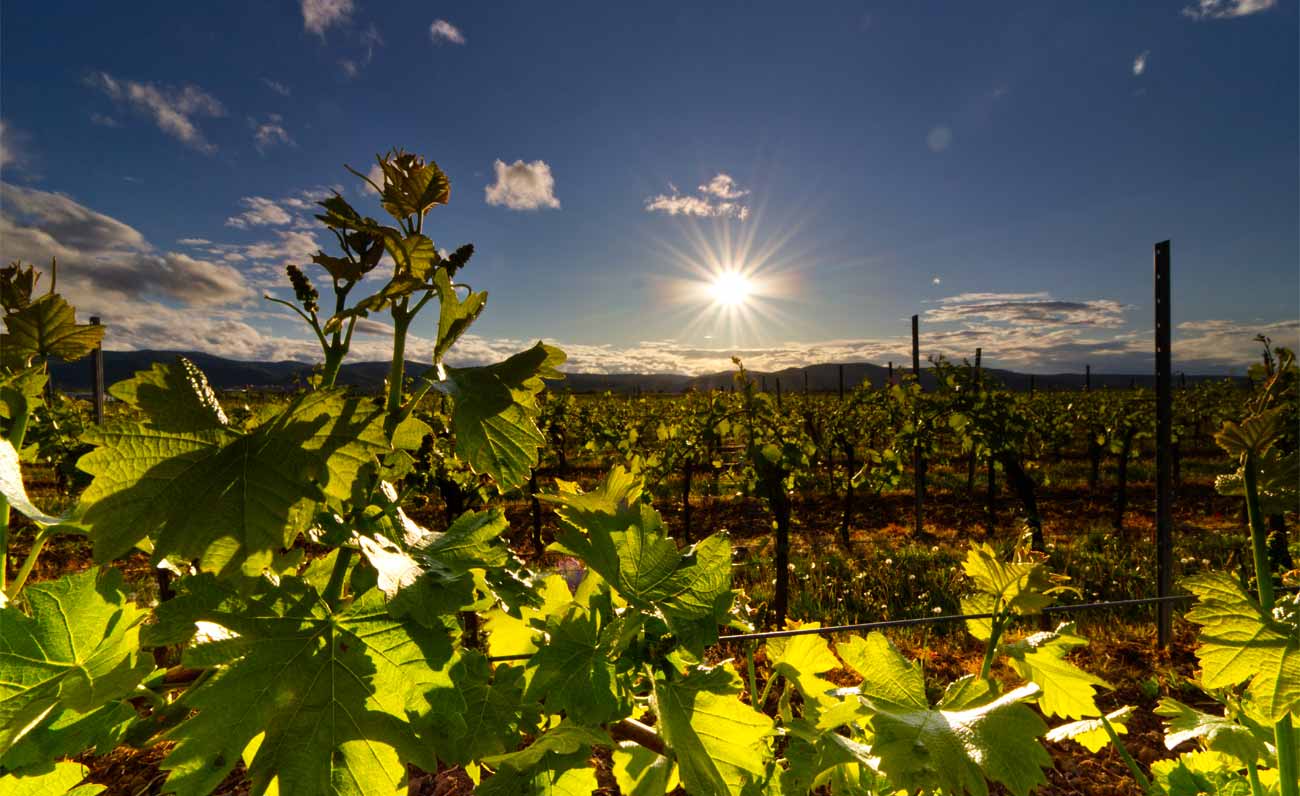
<point>731,289</point>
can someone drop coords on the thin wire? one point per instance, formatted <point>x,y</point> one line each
<point>925,620</point>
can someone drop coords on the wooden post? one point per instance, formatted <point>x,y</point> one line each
<point>805,381</point>
<point>918,461</point>
<point>1087,377</point>
<point>1164,402</point>
<point>97,374</point>
<point>891,374</point>
<point>979,353</point>
<point>762,381</point>
<point>1031,384</point>
<point>841,370</point>
<point>778,393</point>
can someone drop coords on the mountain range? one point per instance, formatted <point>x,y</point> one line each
<point>228,374</point>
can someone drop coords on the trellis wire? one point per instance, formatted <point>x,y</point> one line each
<point>923,620</point>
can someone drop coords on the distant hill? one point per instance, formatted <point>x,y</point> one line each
<point>229,374</point>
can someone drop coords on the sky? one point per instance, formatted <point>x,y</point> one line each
<point>1001,170</point>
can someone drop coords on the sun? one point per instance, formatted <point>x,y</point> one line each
<point>731,289</point>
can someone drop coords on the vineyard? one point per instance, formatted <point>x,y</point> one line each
<point>479,582</point>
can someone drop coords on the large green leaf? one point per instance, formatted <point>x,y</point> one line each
<point>721,744</point>
<point>1017,586</point>
<point>78,650</point>
<point>339,697</point>
<point>227,499</point>
<point>1068,691</point>
<point>174,396</point>
<point>47,328</point>
<point>957,751</point>
<point>627,544</point>
<point>641,772</point>
<point>495,413</point>
<point>1239,643</point>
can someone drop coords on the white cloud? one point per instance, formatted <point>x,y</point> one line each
<point>935,281</point>
<point>522,186</point>
<point>104,120</point>
<point>270,132</point>
<point>194,241</point>
<point>277,87</point>
<point>716,199</point>
<point>723,186</point>
<point>260,212</point>
<point>376,176</point>
<point>1227,9</point>
<point>173,109</point>
<point>321,15</point>
<point>1027,308</point>
<point>349,67</point>
<point>1140,63</point>
<point>443,31</point>
<point>939,139</point>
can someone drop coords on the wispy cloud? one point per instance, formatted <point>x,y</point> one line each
<point>319,16</point>
<point>522,186</point>
<point>173,108</point>
<point>276,86</point>
<point>1038,309</point>
<point>443,31</point>
<point>1140,63</point>
<point>259,211</point>
<point>269,132</point>
<point>1227,9</point>
<point>104,120</point>
<point>717,198</point>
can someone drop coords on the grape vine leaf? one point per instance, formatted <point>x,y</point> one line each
<point>1216,733</point>
<point>339,698</point>
<point>721,744</point>
<point>558,775</point>
<point>1068,691</point>
<point>226,498</point>
<point>68,733</point>
<point>62,779</point>
<point>801,659</point>
<point>1022,587</point>
<point>1203,772</point>
<point>494,711</point>
<point>627,544</point>
<point>1091,733</point>
<point>642,772</point>
<point>574,670</point>
<point>510,635</point>
<point>495,412</point>
<point>11,486</point>
<point>47,328</point>
<point>78,650</point>
<point>454,315</point>
<point>1239,643</point>
<point>955,750</point>
<point>173,396</point>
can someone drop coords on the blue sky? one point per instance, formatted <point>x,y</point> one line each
<point>1000,169</point>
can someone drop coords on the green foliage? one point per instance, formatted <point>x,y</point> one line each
<point>1239,644</point>
<point>76,651</point>
<point>224,497</point>
<point>338,698</point>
